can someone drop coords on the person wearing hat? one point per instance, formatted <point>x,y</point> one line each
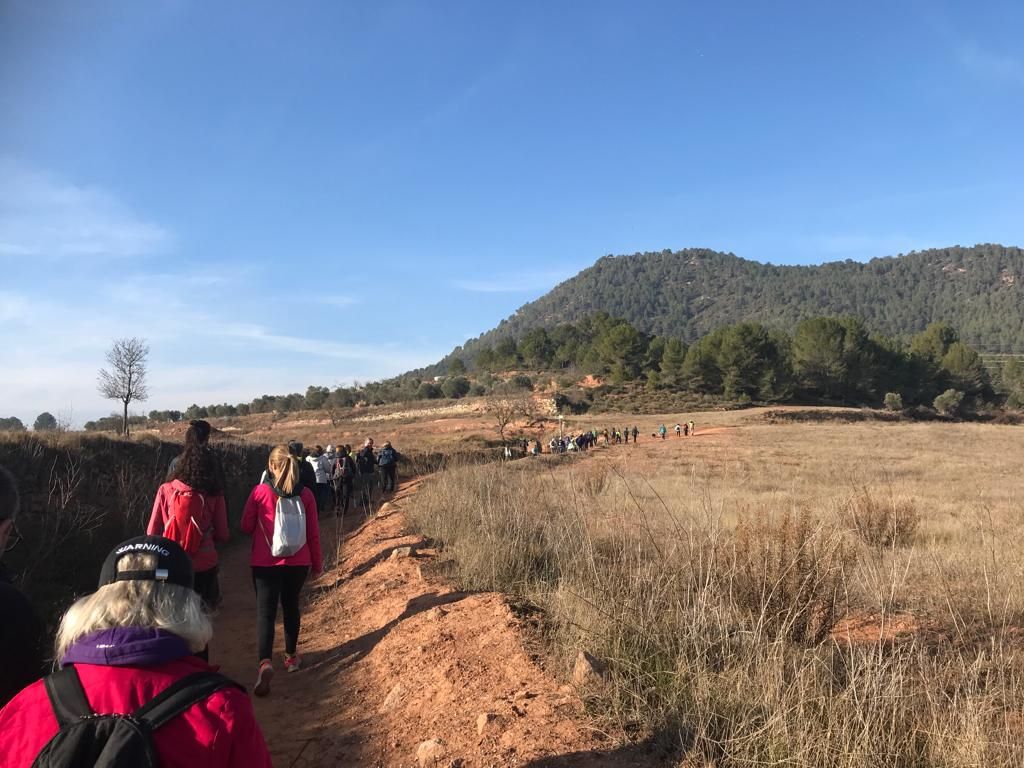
<point>119,648</point>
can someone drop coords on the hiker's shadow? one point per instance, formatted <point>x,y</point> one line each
<point>659,749</point>
<point>356,649</point>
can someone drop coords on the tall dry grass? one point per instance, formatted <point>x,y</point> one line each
<point>713,592</point>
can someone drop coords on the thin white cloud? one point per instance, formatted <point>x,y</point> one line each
<point>514,282</point>
<point>991,65</point>
<point>47,217</point>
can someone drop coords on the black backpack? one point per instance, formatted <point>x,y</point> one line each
<point>343,468</point>
<point>89,739</point>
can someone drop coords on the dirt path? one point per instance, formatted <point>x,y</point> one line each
<point>394,657</point>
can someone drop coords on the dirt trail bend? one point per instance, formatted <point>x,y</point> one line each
<point>394,657</point>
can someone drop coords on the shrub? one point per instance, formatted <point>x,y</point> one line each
<point>893,401</point>
<point>948,403</point>
<point>575,401</point>
<point>889,522</point>
<point>789,576</point>
<point>456,387</point>
<point>521,381</point>
<point>590,478</point>
<point>428,391</point>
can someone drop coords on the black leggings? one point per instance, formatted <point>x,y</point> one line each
<point>278,584</point>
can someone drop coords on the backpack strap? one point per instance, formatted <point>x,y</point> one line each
<point>67,697</point>
<point>178,697</point>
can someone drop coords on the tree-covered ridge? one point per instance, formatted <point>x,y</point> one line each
<point>690,293</point>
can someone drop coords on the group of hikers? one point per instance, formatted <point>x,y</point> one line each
<point>132,683</point>
<point>609,436</point>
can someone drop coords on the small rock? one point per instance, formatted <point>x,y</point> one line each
<point>485,722</point>
<point>394,697</point>
<point>589,669</point>
<point>437,612</point>
<point>523,695</point>
<point>400,552</point>
<point>430,753</point>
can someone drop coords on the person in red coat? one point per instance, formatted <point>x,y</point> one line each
<point>278,579</point>
<point>129,641</point>
<point>196,471</point>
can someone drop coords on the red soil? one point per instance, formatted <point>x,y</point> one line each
<point>393,657</point>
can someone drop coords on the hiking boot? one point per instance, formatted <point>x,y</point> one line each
<point>262,687</point>
<point>292,663</point>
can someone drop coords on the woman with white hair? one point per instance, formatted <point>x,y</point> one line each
<point>130,689</point>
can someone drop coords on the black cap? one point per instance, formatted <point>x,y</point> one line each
<point>174,566</point>
<point>295,448</point>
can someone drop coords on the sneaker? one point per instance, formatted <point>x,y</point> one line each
<point>262,687</point>
<point>292,663</point>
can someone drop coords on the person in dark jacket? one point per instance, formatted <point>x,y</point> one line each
<point>307,475</point>
<point>21,634</point>
<point>388,460</point>
<point>366,463</point>
<point>344,479</point>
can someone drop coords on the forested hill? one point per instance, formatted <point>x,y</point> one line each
<point>689,293</point>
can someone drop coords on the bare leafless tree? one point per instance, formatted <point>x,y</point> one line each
<point>126,379</point>
<point>503,411</point>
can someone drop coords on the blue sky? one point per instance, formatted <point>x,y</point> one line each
<point>278,194</point>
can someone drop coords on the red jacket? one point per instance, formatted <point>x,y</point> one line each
<point>216,533</point>
<point>258,520</point>
<point>219,732</point>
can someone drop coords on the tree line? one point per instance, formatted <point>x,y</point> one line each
<point>825,359</point>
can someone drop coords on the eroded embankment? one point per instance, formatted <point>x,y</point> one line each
<point>394,657</point>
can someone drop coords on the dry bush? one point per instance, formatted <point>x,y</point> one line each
<point>790,574</point>
<point>883,522</point>
<point>590,478</point>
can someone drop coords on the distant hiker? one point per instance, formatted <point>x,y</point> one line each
<point>322,471</point>
<point>693,429</point>
<point>128,650</point>
<point>21,646</point>
<point>190,510</point>
<point>307,475</point>
<point>678,430</point>
<point>686,429</point>
<point>281,516</point>
<point>636,431</point>
<point>662,431</point>
<point>366,463</point>
<point>344,475</point>
<point>388,460</point>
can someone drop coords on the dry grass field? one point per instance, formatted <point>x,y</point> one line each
<point>766,594</point>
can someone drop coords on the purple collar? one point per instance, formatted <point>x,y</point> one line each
<point>127,647</point>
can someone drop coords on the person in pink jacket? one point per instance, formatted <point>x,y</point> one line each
<point>196,472</point>
<point>120,649</point>
<point>279,579</point>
